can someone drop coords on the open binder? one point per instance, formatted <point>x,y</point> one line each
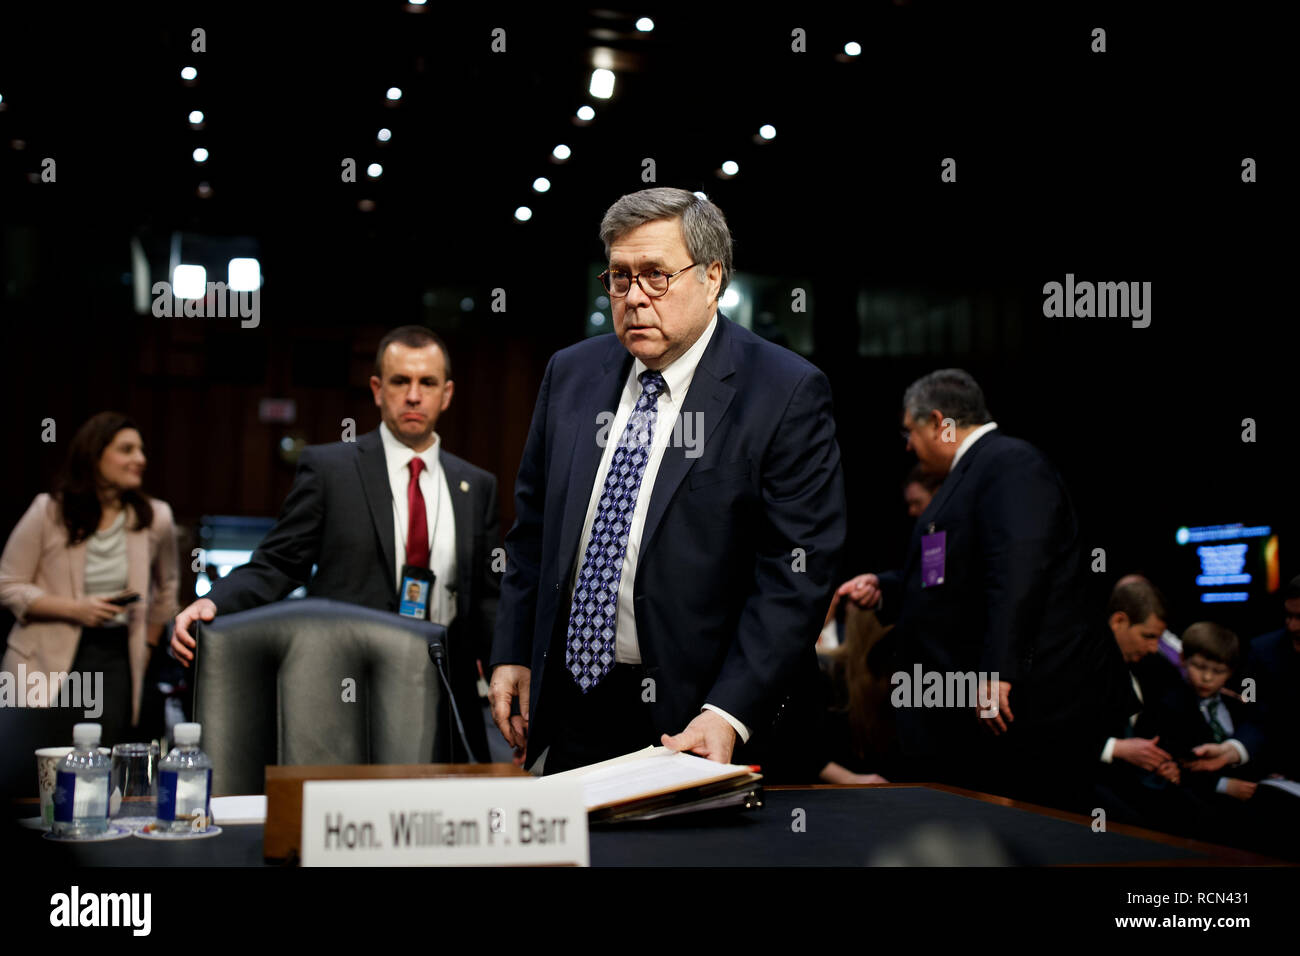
<point>655,783</point>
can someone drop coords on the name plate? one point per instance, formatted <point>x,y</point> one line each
<point>493,822</point>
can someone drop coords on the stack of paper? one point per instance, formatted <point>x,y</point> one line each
<point>658,782</point>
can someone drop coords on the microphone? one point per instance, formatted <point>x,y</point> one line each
<point>438,654</point>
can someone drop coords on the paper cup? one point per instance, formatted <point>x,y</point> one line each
<point>47,770</point>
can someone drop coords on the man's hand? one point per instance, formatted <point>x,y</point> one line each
<point>1141,752</point>
<point>1240,789</point>
<point>1212,757</point>
<point>94,611</point>
<point>1169,770</point>
<point>864,590</point>
<point>707,735</point>
<point>996,723</point>
<point>182,641</point>
<point>511,681</point>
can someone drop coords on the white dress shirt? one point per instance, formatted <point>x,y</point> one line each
<point>1214,706</point>
<point>1108,751</point>
<point>969,440</point>
<point>439,519</point>
<point>677,381</point>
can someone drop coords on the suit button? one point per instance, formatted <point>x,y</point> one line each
<point>557,585</point>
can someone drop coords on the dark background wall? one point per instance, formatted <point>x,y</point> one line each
<point>1123,166</point>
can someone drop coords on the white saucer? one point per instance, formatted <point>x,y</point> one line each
<point>211,831</point>
<point>133,823</point>
<point>114,833</point>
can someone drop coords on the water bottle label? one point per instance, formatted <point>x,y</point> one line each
<point>167,795</point>
<point>187,793</point>
<point>72,802</point>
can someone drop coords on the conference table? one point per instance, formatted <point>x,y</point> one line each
<point>828,825</point>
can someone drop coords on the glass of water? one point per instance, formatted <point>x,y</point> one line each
<point>134,797</point>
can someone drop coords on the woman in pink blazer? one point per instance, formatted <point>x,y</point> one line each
<point>70,570</point>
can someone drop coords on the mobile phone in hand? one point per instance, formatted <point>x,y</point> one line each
<point>122,600</point>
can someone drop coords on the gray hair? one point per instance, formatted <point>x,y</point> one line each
<point>704,230</point>
<point>953,392</point>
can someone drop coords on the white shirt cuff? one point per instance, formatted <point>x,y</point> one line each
<point>1108,751</point>
<point>1221,786</point>
<point>736,725</point>
<point>1242,754</point>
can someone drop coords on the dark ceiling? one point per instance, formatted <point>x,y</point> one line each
<point>289,90</point>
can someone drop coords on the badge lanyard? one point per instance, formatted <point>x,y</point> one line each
<point>415,584</point>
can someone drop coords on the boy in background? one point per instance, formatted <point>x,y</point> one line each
<point>1210,731</point>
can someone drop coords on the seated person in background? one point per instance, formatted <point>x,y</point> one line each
<point>1133,768</point>
<point>1204,722</point>
<point>1273,666</point>
<point>858,732</point>
<point>1216,732</point>
<point>1170,645</point>
<point>1136,616</point>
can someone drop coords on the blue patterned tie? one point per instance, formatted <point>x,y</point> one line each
<point>589,654</point>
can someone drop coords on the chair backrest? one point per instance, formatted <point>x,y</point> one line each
<point>313,682</point>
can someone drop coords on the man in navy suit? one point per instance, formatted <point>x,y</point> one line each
<point>680,514</point>
<point>360,510</point>
<point>993,587</point>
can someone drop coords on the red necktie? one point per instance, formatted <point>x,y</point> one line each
<point>417,535</point>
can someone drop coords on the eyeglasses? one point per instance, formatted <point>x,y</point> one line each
<point>618,283</point>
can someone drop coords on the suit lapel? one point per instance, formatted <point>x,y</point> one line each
<point>458,487</point>
<point>946,490</point>
<point>708,399</point>
<point>582,434</point>
<point>77,567</point>
<point>373,469</point>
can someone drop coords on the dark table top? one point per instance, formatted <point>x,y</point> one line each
<point>830,826</point>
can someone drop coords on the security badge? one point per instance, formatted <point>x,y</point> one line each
<point>416,592</point>
<point>413,597</point>
<point>933,552</point>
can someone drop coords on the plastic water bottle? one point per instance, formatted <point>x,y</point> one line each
<point>185,783</point>
<point>81,786</point>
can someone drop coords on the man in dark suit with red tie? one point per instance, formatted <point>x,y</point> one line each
<point>360,510</point>
<point>680,514</point>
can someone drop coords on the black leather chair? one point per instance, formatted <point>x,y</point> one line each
<point>271,687</point>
